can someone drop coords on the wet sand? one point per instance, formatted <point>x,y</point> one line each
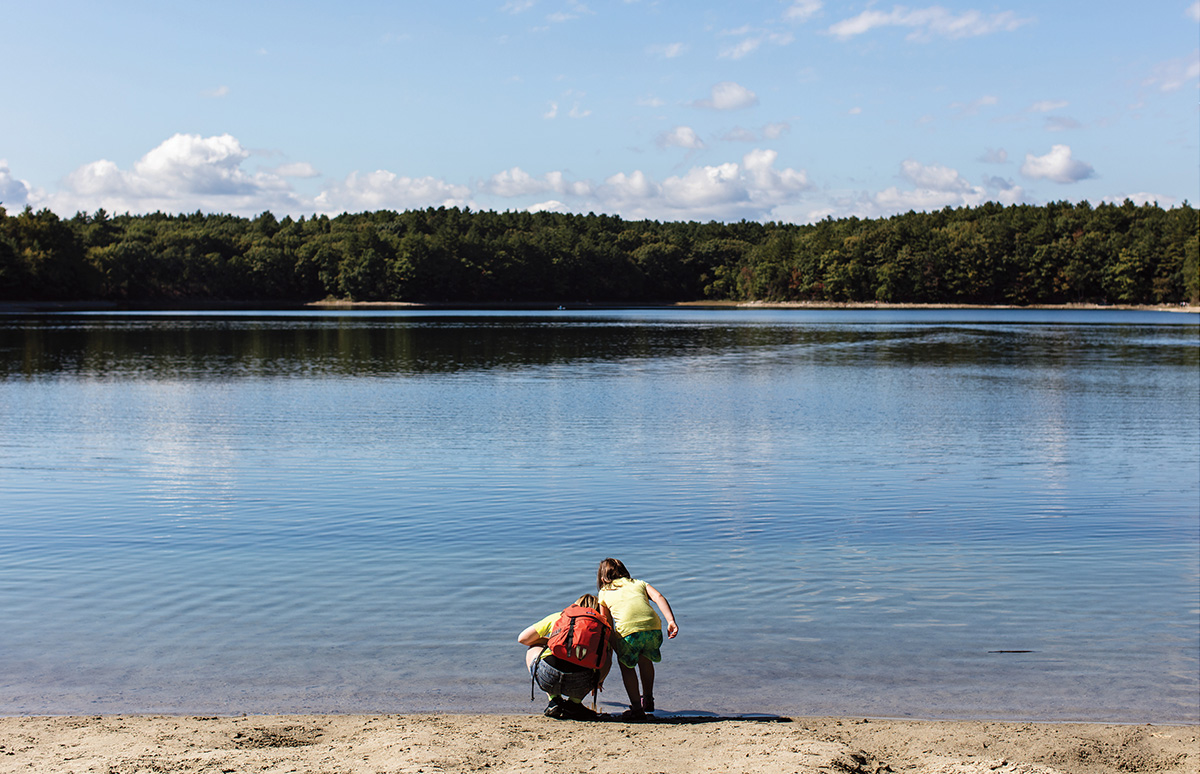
<point>424,744</point>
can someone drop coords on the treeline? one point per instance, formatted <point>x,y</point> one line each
<point>991,254</point>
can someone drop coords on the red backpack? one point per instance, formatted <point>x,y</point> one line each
<point>580,636</point>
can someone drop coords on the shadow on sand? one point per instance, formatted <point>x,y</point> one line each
<point>694,717</point>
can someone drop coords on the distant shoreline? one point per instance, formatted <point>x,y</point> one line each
<point>880,305</point>
<point>23,307</point>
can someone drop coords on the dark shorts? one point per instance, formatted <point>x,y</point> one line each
<point>573,685</point>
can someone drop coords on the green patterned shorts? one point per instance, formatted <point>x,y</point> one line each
<point>640,645</point>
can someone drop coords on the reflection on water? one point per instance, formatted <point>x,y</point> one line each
<point>851,512</point>
<point>279,346</point>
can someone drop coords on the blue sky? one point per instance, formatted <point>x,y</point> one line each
<point>785,110</point>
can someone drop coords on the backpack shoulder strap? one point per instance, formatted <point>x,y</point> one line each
<point>533,672</point>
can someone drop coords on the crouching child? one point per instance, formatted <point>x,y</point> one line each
<point>569,655</point>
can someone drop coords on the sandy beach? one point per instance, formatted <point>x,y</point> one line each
<point>425,744</point>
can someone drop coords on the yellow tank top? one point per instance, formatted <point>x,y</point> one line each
<point>630,606</point>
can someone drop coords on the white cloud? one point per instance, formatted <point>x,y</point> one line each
<point>739,134</point>
<point>382,189</point>
<point>559,184</point>
<point>297,169</point>
<point>217,93</point>
<point>894,200</point>
<point>934,177</point>
<point>577,9</point>
<point>1057,166</point>
<point>704,187</point>
<point>576,111</point>
<point>14,193</point>
<point>728,95</point>
<point>772,131</point>
<point>1143,198</point>
<point>973,108</point>
<point>995,156</point>
<point>767,183</point>
<point>1005,191</point>
<point>751,188</point>
<point>1061,123</point>
<point>633,190</point>
<point>650,101</point>
<point>934,186</point>
<point>929,23</point>
<point>1174,74</point>
<point>192,162</point>
<point>1193,11</point>
<point>552,205</point>
<point>802,10</point>
<point>681,137</point>
<point>101,178</point>
<point>1047,105</point>
<point>667,50</point>
<point>517,6</point>
<point>185,173</point>
<point>514,182</point>
<point>517,182</point>
<point>751,40</point>
<point>741,48</point>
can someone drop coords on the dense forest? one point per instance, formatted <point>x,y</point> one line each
<point>1023,254</point>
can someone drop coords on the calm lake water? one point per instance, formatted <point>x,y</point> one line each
<point>967,514</point>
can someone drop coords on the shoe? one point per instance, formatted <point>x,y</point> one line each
<point>647,704</point>
<point>555,708</point>
<point>633,715</point>
<point>574,710</point>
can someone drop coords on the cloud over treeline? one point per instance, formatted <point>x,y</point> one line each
<point>189,172</point>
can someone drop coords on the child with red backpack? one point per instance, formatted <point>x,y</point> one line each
<point>569,656</point>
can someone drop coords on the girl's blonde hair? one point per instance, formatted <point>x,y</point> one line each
<point>589,601</point>
<point>609,571</point>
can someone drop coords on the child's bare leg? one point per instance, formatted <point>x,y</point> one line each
<point>630,678</point>
<point>646,667</point>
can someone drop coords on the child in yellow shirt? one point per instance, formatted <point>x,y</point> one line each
<point>640,629</point>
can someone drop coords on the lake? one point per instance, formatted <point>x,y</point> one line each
<point>910,513</point>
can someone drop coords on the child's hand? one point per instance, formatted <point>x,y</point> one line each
<point>672,630</point>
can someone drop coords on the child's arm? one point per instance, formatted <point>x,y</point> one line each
<point>531,638</point>
<point>614,642</point>
<point>665,606</point>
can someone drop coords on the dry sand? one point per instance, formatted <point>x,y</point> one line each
<point>426,744</point>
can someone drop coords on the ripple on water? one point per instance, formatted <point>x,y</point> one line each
<point>877,516</point>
